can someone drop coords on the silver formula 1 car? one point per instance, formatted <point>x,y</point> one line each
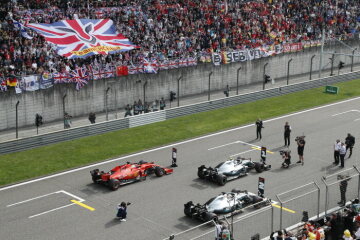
<point>230,169</point>
<point>224,203</point>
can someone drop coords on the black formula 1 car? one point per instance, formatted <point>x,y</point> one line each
<point>231,169</point>
<point>225,203</point>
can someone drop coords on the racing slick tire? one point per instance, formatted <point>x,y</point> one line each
<point>201,172</point>
<point>207,216</point>
<point>114,184</point>
<point>235,190</point>
<point>159,172</point>
<point>94,179</point>
<point>142,162</point>
<point>221,179</point>
<point>259,167</point>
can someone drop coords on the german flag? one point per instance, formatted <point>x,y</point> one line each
<point>11,81</point>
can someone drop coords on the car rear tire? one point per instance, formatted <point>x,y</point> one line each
<point>259,167</point>
<point>235,190</point>
<point>114,184</point>
<point>221,179</point>
<point>159,172</point>
<point>94,179</point>
<point>201,172</point>
<point>207,216</point>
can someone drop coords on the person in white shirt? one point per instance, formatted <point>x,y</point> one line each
<point>337,147</point>
<point>342,152</point>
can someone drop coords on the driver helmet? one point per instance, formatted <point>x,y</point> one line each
<point>239,159</point>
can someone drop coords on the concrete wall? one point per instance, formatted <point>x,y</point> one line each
<point>125,90</point>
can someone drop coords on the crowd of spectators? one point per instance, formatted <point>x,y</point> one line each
<point>340,225</point>
<point>166,29</point>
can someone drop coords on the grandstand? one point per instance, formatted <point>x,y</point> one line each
<point>172,29</point>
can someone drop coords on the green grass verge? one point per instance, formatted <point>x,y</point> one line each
<point>19,166</point>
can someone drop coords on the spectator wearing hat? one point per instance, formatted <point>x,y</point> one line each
<point>347,235</point>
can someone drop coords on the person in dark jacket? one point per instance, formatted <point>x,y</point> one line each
<point>122,211</point>
<point>287,131</point>
<point>343,186</point>
<point>92,117</point>
<point>259,126</point>
<point>350,142</point>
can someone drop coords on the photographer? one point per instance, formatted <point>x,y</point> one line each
<point>287,158</point>
<point>301,145</point>
<point>122,211</point>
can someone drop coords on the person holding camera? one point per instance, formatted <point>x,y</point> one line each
<point>301,145</point>
<point>122,211</point>
<point>259,126</point>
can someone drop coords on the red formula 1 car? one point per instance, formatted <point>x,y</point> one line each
<point>128,173</point>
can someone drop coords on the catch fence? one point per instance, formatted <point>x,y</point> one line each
<point>310,201</point>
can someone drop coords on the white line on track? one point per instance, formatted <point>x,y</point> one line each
<point>354,110</point>
<point>31,199</point>
<point>224,145</point>
<point>172,145</point>
<point>357,119</point>
<point>45,195</point>
<point>52,210</point>
<point>227,144</point>
<point>236,154</point>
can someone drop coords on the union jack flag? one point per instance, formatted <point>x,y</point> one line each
<point>109,71</point>
<point>150,66</point>
<point>135,69</point>
<point>80,38</point>
<point>80,76</point>
<point>61,77</point>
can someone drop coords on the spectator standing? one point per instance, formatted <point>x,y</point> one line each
<point>259,126</point>
<point>227,90</point>
<point>140,107</point>
<point>155,106</point>
<point>350,142</point>
<point>146,107</point>
<point>128,110</point>
<point>135,108</point>
<point>92,117</point>
<point>162,104</point>
<point>67,120</point>
<point>342,153</point>
<point>337,146</point>
<point>343,187</point>
<point>287,131</point>
<point>301,146</point>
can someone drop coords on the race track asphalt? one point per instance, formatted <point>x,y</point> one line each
<point>43,209</point>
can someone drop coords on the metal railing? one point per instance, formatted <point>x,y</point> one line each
<point>144,119</point>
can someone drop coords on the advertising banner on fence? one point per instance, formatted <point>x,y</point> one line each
<point>251,54</point>
<point>46,80</point>
<point>30,83</point>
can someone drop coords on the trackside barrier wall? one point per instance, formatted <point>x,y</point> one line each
<point>143,119</point>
